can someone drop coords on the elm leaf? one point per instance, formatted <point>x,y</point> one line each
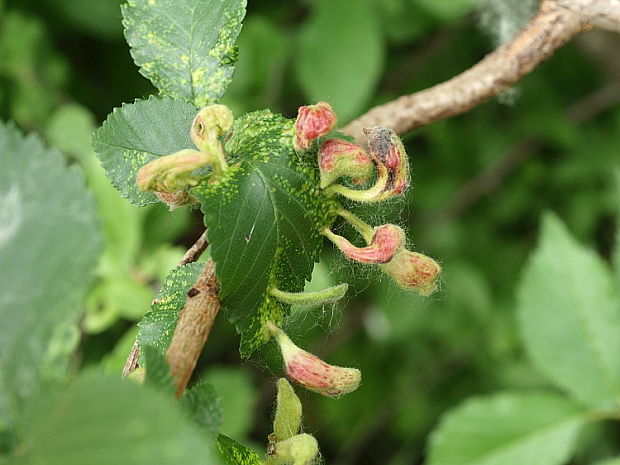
<point>185,47</point>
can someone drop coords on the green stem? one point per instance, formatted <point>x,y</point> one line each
<point>313,298</point>
<point>360,225</point>
<point>365,195</point>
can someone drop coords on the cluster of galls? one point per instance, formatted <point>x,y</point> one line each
<point>374,175</point>
<point>387,165</point>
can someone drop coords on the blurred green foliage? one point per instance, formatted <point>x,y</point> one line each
<point>65,64</point>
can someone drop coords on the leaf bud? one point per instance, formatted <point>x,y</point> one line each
<point>313,121</point>
<point>339,158</point>
<point>313,373</point>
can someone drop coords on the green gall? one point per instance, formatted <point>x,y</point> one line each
<point>287,420</point>
<point>339,158</point>
<point>209,125</point>
<point>298,450</point>
<point>172,173</point>
<point>311,299</point>
<point>413,271</point>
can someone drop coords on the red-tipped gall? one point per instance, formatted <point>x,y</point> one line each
<point>386,241</point>
<point>313,121</point>
<point>311,372</point>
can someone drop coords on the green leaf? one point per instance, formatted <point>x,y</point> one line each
<point>507,429</point>
<point>70,129</point>
<point>185,47</point>
<point>447,10</point>
<point>49,245</point>
<point>238,400</point>
<point>157,369</point>
<point>341,55</point>
<point>136,134</point>
<point>235,453</point>
<point>264,48</point>
<point>615,461</point>
<point>263,222</point>
<point>204,406</point>
<point>105,420</point>
<point>569,314</point>
<point>616,252</point>
<point>157,326</point>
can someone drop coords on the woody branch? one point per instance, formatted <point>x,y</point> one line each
<point>556,23</point>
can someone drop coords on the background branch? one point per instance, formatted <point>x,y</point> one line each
<point>556,23</point>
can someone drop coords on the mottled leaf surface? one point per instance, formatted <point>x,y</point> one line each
<point>508,429</point>
<point>263,221</point>
<point>49,245</point>
<point>157,326</point>
<point>185,47</point>
<point>235,453</point>
<point>569,313</point>
<point>100,420</point>
<point>138,133</point>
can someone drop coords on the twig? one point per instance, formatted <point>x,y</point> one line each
<point>555,24</point>
<point>193,327</point>
<point>195,251</point>
<point>192,254</point>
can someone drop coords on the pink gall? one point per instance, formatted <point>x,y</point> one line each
<point>313,373</point>
<point>385,243</point>
<point>392,165</point>
<point>313,121</point>
<point>387,149</point>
